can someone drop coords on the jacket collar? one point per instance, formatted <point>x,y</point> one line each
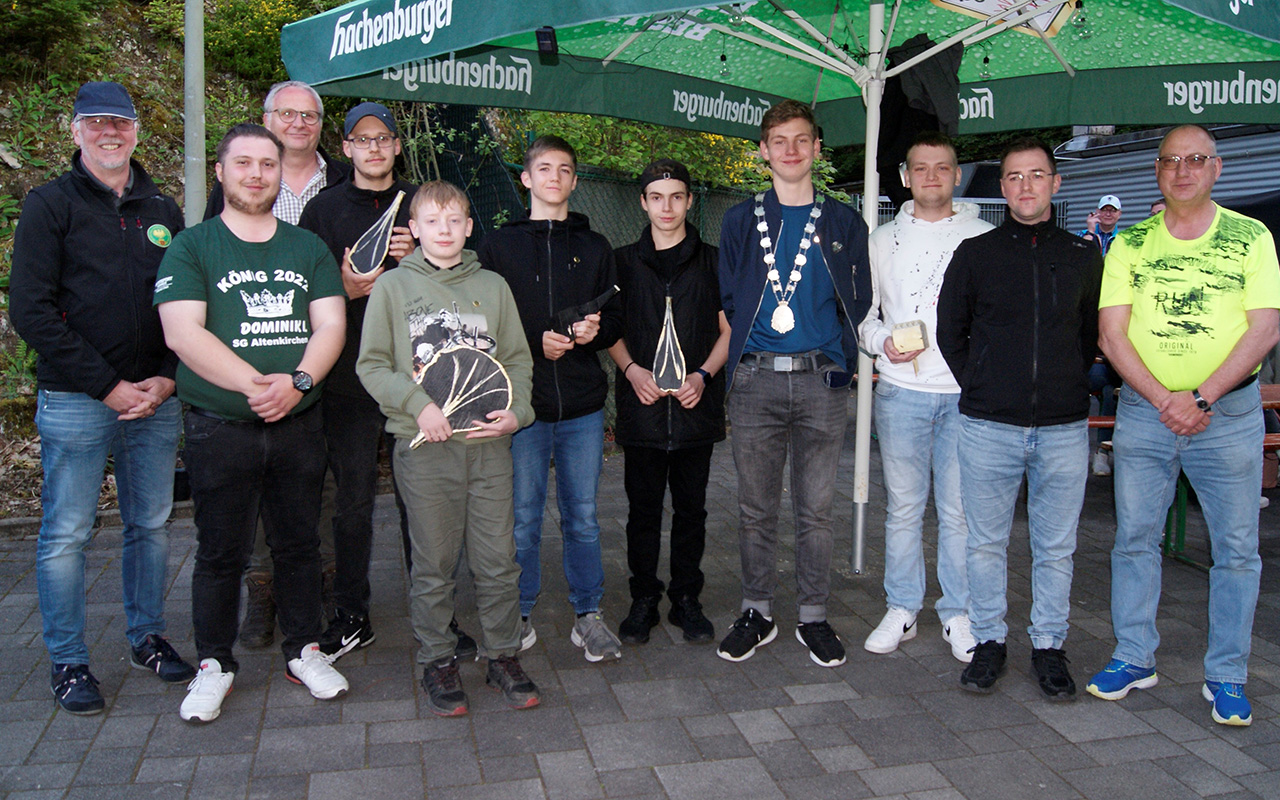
<point>684,251</point>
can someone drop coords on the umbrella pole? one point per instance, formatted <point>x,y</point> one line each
<point>872,92</point>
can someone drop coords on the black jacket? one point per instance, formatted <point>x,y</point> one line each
<point>1018,323</point>
<point>84,267</point>
<point>552,265</point>
<point>341,217</point>
<point>695,293</point>
<point>335,173</point>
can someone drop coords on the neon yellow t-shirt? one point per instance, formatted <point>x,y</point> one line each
<point>1189,297</point>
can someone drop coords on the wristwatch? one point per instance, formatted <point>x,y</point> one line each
<point>1201,403</point>
<point>303,382</point>
<point>706,376</point>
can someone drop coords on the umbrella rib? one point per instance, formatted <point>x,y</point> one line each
<point>859,73</point>
<point>975,28</point>
<point>617,51</point>
<point>1044,37</point>
<point>817,59</point>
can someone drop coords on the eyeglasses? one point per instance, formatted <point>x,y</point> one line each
<point>99,124</point>
<point>289,115</point>
<point>1194,162</point>
<point>1035,176</point>
<point>363,142</point>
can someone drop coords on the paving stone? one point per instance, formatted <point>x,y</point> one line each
<point>296,751</point>
<point>761,726</point>
<point>710,725</point>
<point>278,787</point>
<point>715,748</point>
<point>845,786</point>
<point>396,754</point>
<point>59,750</point>
<point>17,739</point>
<point>451,763</point>
<point>904,779</point>
<point>530,789</point>
<point>664,698</point>
<point>1062,757</point>
<point>1225,757</point>
<point>167,770</point>
<point>501,769</point>
<point>103,766</point>
<point>1131,748</point>
<point>388,783</point>
<point>1005,776</point>
<point>541,730</point>
<point>906,740</point>
<point>428,729</point>
<point>569,775</point>
<point>819,736</point>
<point>1088,720</point>
<point>821,692</point>
<point>639,744</point>
<point>596,709</point>
<point>1202,778</point>
<point>378,711</point>
<point>829,713</point>
<point>847,758</point>
<point>37,777</point>
<point>738,778</point>
<point>1128,780</point>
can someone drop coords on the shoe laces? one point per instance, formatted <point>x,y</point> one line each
<point>510,666</point>
<point>1052,663</point>
<point>820,632</point>
<point>752,622</point>
<point>73,676</point>
<point>160,649</point>
<point>985,654</point>
<point>205,681</point>
<point>446,676</point>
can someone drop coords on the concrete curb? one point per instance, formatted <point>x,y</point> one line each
<point>29,527</point>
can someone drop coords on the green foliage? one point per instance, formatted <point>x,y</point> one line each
<point>243,36</point>
<point>34,33</point>
<point>166,18</point>
<point>10,208</point>
<point>424,138</point>
<point>18,371</point>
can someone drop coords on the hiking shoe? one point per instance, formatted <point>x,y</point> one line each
<point>443,685</point>
<point>466,648</point>
<point>258,629</point>
<point>751,630</point>
<point>1118,677</point>
<point>75,689</point>
<point>314,670</point>
<point>1229,704</point>
<point>158,656</point>
<point>825,648</point>
<point>506,675</point>
<point>594,637</point>
<point>635,627</point>
<point>956,632</point>
<point>528,636</point>
<point>686,614</point>
<point>346,632</point>
<point>985,668</point>
<point>1102,464</point>
<point>206,691</point>
<point>897,626</point>
<point>1050,665</point>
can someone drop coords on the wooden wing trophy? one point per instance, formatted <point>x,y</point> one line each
<point>467,384</point>
<point>369,251</point>
<point>668,361</point>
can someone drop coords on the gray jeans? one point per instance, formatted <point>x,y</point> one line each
<point>775,414</point>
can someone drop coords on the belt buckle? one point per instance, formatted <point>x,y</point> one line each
<point>782,363</point>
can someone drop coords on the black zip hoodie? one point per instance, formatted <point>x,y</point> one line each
<point>552,265</point>
<point>1018,323</point>
<point>84,267</point>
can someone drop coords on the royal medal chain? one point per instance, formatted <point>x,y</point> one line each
<point>784,319</point>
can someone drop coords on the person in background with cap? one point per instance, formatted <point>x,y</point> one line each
<point>1100,225</point>
<point>667,436</point>
<point>85,256</point>
<point>352,422</point>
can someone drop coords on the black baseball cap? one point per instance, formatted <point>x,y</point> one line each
<point>665,169</point>
<point>104,99</point>
<point>363,110</point>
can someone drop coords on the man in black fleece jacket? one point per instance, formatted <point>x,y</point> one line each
<point>553,261</point>
<point>1018,326</point>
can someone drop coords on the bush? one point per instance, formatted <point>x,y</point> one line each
<point>34,33</point>
<point>244,36</point>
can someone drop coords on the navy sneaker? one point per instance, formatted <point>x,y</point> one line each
<point>752,630</point>
<point>158,656</point>
<point>1118,677</point>
<point>1229,704</point>
<point>76,690</point>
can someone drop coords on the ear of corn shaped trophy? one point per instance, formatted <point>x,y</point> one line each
<point>668,362</point>
<point>371,248</point>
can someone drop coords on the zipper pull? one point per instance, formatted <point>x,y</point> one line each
<point>124,226</point>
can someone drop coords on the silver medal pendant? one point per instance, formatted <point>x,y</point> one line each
<point>783,319</point>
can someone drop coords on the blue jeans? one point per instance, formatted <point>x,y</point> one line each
<point>775,414</point>
<point>578,447</point>
<point>919,434</point>
<point>1224,464</point>
<point>993,459</point>
<point>76,435</point>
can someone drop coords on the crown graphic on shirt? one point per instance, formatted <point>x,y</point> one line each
<point>265,305</point>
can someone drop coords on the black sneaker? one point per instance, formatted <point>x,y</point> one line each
<point>443,685</point>
<point>506,675</point>
<point>987,665</point>
<point>752,630</point>
<point>686,614</point>
<point>346,632</point>
<point>466,648</point>
<point>635,627</point>
<point>1050,665</point>
<point>825,648</point>
<point>158,656</point>
<point>75,689</point>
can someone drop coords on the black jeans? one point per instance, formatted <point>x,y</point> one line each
<point>352,434</point>
<point>647,472</point>
<point>238,469</point>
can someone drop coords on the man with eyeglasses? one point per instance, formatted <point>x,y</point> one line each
<point>85,256</point>
<point>1188,311</point>
<point>1018,326</point>
<point>353,423</point>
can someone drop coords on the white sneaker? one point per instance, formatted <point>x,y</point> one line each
<point>313,670</point>
<point>898,626</point>
<point>528,636</point>
<point>956,632</point>
<point>203,702</point>
<point>1263,501</point>
<point>1101,464</point>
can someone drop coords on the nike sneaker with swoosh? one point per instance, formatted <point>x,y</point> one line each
<point>346,632</point>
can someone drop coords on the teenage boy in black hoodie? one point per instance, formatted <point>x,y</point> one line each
<point>667,436</point>
<point>352,422</point>
<point>553,261</point>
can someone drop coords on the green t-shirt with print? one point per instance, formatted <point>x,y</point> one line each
<point>257,297</point>
<point>1190,297</point>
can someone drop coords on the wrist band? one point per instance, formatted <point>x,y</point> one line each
<point>629,366</point>
<point>706,376</point>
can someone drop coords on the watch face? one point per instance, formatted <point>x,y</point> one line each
<point>302,381</point>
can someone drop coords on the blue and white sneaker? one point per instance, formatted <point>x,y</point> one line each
<point>1229,704</point>
<point>1118,677</point>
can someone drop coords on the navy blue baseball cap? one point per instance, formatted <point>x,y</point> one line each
<point>377,110</point>
<point>104,99</point>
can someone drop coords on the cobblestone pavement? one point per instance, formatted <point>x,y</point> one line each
<point>670,720</point>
